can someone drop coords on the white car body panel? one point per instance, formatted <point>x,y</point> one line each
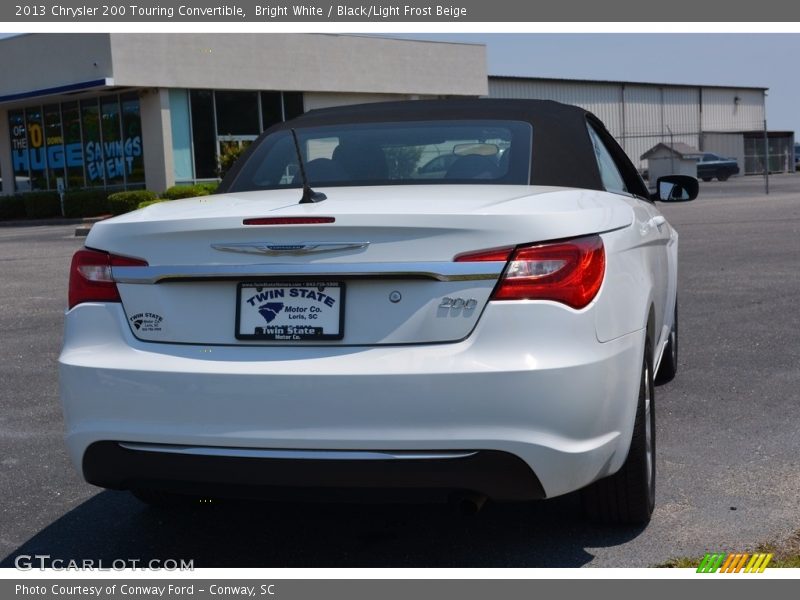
<point>426,223</point>
<point>548,392</point>
<point>433,226</point>
<point>554,386</point>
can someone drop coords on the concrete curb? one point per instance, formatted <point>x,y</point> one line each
<point>85,223</point>
<point>40,222</point>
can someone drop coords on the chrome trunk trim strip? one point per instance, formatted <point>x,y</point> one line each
<point>440,271</point>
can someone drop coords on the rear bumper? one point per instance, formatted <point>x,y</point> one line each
<point>542,390</point>
<point>495,474</point>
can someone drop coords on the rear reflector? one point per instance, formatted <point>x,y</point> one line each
<point>91,279</point>
<point>288,220</point>
<point>570,272</point>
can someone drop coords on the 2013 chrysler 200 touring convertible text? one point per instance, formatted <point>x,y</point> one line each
<point>336,318</point>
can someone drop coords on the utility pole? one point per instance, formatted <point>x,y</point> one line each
<point>671,154</point>
<point>766,159</point>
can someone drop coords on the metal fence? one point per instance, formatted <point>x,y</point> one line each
<point>747,148</point>
<point>781,155</point>
<point>635,145</point>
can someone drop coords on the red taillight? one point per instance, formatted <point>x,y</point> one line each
<point>289,220</point>
<point>569,272</point>
<point>90,277</point>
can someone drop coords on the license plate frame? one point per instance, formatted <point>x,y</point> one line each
<point>282,328</point>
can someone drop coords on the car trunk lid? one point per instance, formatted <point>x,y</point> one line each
<point>378,270</point>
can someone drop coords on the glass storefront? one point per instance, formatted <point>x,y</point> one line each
<point>97,142</point>
<point>94,143</point>
<point>221,120</point>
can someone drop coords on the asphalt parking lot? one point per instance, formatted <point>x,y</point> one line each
<point>728,431</point>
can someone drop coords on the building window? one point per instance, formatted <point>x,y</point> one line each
<point>19,150</point>
<point>95,143</point>
<point>114,163</point>
<point>37,152</point>
<point>73,145</point>
<point>132,140</point>
<point>203,136</point>
<point>225,120</point>
<point>181,127</point>
<point>292,105</point>
<point>271,109</point>
<point>237,113</point>
<point>54,141</point>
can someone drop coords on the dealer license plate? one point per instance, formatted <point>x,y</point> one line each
<point>290,311</point>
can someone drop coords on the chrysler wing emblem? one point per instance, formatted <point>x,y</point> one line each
<point>276,249</point>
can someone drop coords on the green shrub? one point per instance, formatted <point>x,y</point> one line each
<point>230,153</point>
<point>123,202</point>
<point>177,192</point>
<point>86,203</point>
<point>12,207</point>
<point>42,205</point>
<point>209,186</point>
<point>147,203</point>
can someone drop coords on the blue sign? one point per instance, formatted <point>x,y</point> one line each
<point>109,159</point>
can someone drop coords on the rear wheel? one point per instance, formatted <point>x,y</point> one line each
<point>706,178</point>
<point>628,496</point>
<point>723,176</point>
<point>669,361</point>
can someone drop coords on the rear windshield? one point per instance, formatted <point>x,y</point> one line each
<point>414,152</point>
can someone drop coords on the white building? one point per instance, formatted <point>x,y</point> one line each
<point>126,110</point>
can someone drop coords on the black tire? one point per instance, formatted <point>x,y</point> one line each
<point>628,496</point>
<point>669,362</point>
<point>706,178</point>
<point>723,176</point>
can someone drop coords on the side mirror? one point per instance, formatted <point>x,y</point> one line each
<point>676,188</point>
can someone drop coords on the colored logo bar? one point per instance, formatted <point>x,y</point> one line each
<point>734,563</point>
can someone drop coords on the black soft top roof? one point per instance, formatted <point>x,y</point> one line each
<point>562,153</point>
<point>457,108</point>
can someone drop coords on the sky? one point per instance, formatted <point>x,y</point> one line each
<point>747,60</point>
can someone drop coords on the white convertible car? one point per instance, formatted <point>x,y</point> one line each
<point>352,313</point>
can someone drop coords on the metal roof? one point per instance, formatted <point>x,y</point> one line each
<point>616,82</point>
<point>679,148</point>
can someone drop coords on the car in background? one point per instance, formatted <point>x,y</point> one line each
<point>492,328</point>
<point>797,157</point>
<point>713,165</point>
